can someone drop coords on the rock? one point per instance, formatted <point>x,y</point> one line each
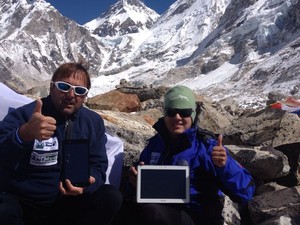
<point>285,202</point>
<point>115,100</point>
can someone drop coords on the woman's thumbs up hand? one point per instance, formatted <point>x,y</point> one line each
<point>219,155</point>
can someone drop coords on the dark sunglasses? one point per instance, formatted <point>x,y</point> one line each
<point>65,87</point>
<point>171,112</point>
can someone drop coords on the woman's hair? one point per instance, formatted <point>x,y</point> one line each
<point>198,111</point>
<point>72,69</point>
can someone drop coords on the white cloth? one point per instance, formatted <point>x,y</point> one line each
<point>9,99</point>
<point>115,151</point>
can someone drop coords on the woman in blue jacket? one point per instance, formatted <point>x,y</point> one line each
<point>32,190</point>
<point>213,171</point>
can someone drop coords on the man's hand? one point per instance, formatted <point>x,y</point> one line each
<point>219,155</point>
<point>69,189</point>
<point>38,127</point>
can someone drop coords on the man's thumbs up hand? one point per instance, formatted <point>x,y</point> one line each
<point>39,127</point>
<point>38,106</point>
<point>219,155</point>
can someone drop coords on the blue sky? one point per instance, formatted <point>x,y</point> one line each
<point>83,11</point>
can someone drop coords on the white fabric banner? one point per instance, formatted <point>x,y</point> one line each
<point>10,99</point>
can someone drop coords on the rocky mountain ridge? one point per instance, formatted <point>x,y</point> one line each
<point>240,49</point>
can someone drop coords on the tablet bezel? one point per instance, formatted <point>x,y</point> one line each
<point>163,200</point>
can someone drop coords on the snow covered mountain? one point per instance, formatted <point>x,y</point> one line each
<point>35,38</point>
<point>124,17</point>
<point>222,48</point>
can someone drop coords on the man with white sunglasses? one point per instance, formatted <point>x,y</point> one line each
<point>32,190</point>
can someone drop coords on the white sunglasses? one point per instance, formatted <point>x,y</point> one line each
<point>65,87</point>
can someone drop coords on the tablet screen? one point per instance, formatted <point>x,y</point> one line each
<point>163,184</point>
<point>76,162</point>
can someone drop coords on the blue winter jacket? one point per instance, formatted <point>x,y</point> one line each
<point>207,181</point>
<point>33,172</point>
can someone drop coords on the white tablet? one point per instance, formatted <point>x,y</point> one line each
<point>163,184</point>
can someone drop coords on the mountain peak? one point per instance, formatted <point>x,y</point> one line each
<point>130,2</point>
<point>123,17</point>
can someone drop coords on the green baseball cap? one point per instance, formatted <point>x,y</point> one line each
<point>180,97</point>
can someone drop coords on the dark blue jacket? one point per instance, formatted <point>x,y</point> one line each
<point>28,172</point>
<point>207,181</point>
